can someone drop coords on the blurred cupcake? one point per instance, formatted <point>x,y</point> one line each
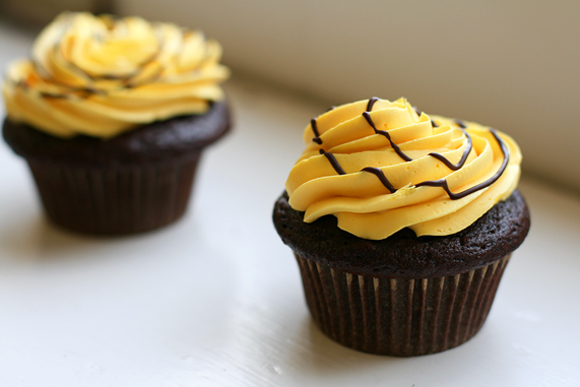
<point>402,225</point>
<point>112,115</point>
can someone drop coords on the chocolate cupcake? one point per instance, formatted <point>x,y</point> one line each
<point>112,115</point>
<point>402,225</point>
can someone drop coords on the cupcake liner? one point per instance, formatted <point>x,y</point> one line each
<point>114,201</point>
<point>399,317</point>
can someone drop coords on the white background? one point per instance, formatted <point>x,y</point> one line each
<point>216,299</point>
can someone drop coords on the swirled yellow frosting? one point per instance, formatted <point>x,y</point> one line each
<point>101,76</point>
<point>380,166</point>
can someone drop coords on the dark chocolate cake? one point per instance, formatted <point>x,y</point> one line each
<point>165,141</point>
<point>404,295</point>
<point>403,255</point>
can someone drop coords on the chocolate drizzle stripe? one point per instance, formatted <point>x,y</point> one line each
<point>53,96</point>
<point>461,124</point>
<point>333,162</point>
<point>442,183</point>
<point>314,126</point>
<point>317,138</point>
<point>379,173</point>
<point>455,196</point>
<point>463,159</point>
<point>87,91</point>
<point>140,67</point>
<point>371,103</point>
<point>395,147</point>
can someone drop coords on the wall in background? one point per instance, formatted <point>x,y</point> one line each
<point>37,13</point>
<point>512,65</point>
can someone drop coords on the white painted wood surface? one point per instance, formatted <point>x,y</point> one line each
<point>216,299</point>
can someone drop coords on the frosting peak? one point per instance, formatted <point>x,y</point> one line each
<point>101,76</point>
<point>380,166</point>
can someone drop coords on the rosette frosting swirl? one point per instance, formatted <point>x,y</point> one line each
<point>101,76</point>
<point>380,166</point>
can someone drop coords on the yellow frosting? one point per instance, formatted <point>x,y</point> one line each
<point>364,206</point>
<point>101,76</point>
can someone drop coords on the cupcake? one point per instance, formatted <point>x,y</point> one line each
<point>112,115</point>
<point>402,225</point>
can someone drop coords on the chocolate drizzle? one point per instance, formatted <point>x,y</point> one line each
<point>316,138</point>
<point>380,174</point>
<point>314,127</point>
<point>449,164</point>
<point>53,96</point>
<point>395,147</point>
<point>124,80</point>
<point>371,103</point>
<point>461,124</point>
<point>442,183</point>
<point>333,162</point>
<point>455,196</point>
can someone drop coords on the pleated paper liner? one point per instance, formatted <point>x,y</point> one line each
<point>399,317</point>
<point>114,201</point>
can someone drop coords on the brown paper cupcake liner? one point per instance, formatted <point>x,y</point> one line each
<point>114,201</point>
<point>399,317</point>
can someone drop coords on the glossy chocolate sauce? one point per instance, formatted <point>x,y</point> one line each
<point>454,196</point>
<point>442,183</point>
<point>381,175</point>
<point>461,124</point>
<point>85,92</point>
<point>371,103</point>
<point>466,151</point>
<point>395,147</point>
<point>333,162</point>
<point>316,138</point>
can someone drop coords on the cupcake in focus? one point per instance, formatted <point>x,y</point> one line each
<point>112,115</point>
<point>402,225</point>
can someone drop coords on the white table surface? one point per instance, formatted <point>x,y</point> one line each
<point>216,299</point>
